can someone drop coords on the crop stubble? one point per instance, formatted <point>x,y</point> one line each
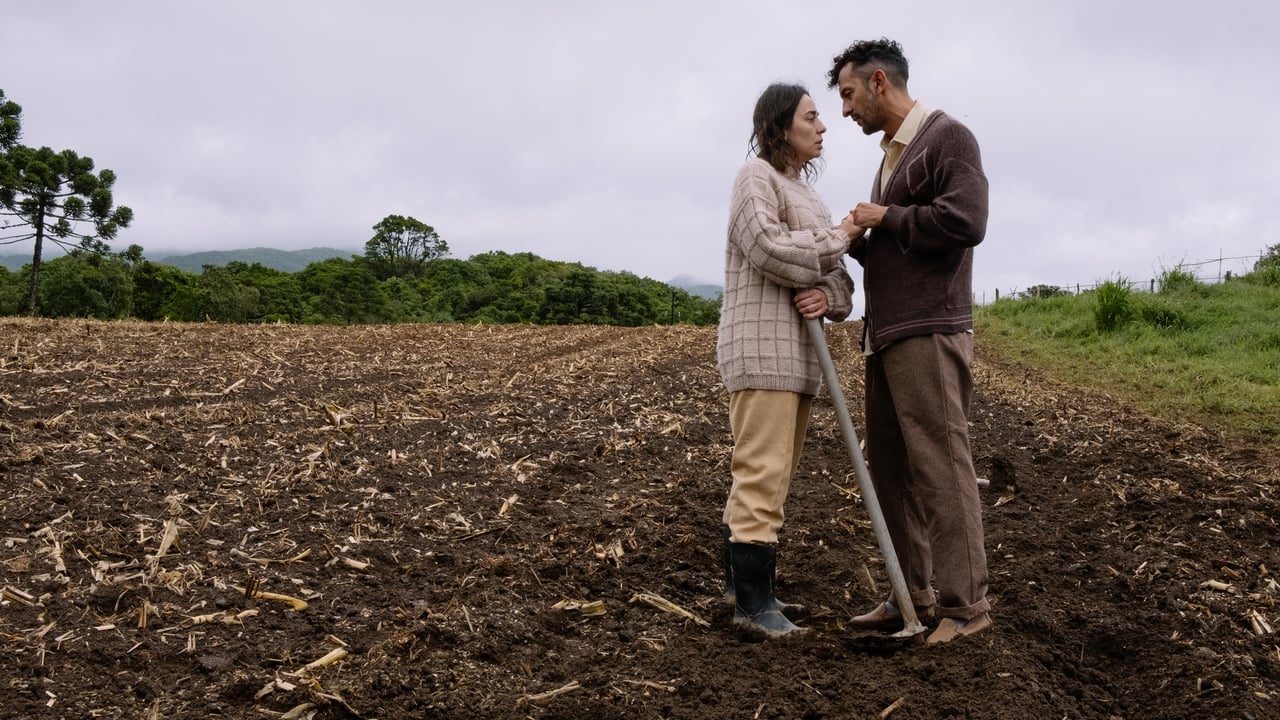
<point>505,522</point>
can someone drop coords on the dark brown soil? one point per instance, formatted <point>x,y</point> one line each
<point>436,493</point>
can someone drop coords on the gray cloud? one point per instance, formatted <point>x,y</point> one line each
<point>1120,138</point>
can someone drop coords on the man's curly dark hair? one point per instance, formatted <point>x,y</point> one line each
<point>867,56</point>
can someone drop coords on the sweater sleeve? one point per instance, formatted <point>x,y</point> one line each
<point>956,217</point>
<point>792,258</point>
<point>838,286</point>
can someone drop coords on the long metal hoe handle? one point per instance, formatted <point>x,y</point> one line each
<point>910,623</point>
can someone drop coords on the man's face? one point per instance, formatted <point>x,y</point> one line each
<point>858,101</point>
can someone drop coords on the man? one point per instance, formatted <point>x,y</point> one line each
<point>928,209</point>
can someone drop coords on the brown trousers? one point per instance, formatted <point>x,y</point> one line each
<point>768,435</point>
<point>917,405</point>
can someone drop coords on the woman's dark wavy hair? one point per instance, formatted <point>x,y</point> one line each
<point>775,110</point>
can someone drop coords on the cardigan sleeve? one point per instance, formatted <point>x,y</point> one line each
<point>858,247</point>
<point>796,258</point>
<point>956,217</point>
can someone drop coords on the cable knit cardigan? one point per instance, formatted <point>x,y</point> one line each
<point>918,265</point>
<point>780,240</point>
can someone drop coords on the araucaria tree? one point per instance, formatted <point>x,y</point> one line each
<point>401,246</point>
<point>10,123</point>
<point>49,195</point>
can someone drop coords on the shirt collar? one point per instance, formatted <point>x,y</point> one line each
<point>910,126</point>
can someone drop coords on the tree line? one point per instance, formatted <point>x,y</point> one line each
<point>58,197</point>
<point>494,287</point>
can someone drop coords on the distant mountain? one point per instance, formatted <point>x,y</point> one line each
<point>290,261</point>
<point>14,262</point>
<point>696,287</point>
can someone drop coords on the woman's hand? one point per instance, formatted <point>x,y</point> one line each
<point>811,303</point>
<point>851,227</point>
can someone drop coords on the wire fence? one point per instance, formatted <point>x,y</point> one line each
<point>1213,270</point>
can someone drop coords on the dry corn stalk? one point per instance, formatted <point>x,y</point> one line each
<point>272,686</point>
<point>267,561</point>
<point>294,603</point>
<point>667,606</point>
<point>1218,585</point>
<point>508,504</point>
<point>588,608</point>
<point>1259,623</point>
<point>298,711</point>
<point>335,415</point>
<point>167,541</point>
<point>56,546</point>
<point>892,707</point>
<point>544,699</point>
<point>612,552</point>
<point>329,658</point>
<point>652,685</point>
<point>18,596</point>
<point>226,618</point>
<point>255,594</point>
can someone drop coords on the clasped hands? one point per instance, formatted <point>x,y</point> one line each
<point>812,303</point>
<point>861,218</point>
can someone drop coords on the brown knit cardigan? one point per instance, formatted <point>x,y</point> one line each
<point>918,265</point>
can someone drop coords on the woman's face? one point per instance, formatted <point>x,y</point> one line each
<point>805,134</point>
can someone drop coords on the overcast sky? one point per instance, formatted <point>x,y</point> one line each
<point>1120,137</point>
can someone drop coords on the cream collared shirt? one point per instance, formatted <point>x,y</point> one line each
<point>893,147</point>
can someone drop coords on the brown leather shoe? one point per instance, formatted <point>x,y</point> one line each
<point>885,615</point>
<point>951,628</point>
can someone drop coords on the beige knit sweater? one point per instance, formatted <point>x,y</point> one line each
<point>780,240</point>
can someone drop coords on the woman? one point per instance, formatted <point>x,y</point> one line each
<point>783,264</point>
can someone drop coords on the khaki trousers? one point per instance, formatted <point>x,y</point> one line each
<point>768,435</point>
<point>917,404</point>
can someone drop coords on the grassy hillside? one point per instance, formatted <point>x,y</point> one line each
<point>1206,353</point>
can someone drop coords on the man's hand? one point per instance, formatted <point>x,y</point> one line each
<point>811,303</point>
<point>868,215</point>
<point>851,228</point>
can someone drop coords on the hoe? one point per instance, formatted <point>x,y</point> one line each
<point>911,625</point>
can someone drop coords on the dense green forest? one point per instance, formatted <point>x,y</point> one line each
<point>60,198</point>
<point>495,287</point>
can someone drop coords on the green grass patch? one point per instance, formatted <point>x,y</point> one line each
<point>1205,353</point>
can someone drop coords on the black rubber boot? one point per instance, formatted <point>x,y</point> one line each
<point>731,596</point>
<point>756,607</point>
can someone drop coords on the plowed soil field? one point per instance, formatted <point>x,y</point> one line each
<point>523,522</point>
